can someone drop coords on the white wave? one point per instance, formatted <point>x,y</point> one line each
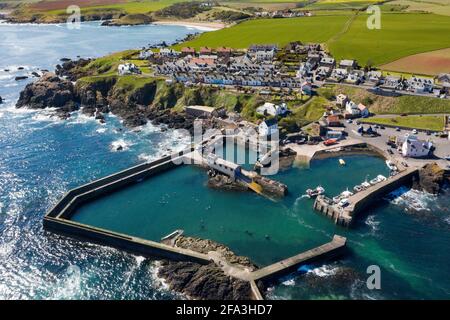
<point>139,260</point>
<point>120,144</point>
<point>411,199</point>
<point>1,207</point>
<point>160,282</point>
<point>372,223</point>
<point>447,220</point>
<point>289,282</point>
<point>79,118</point>
<point>324,271</point>
<point>101,130</point>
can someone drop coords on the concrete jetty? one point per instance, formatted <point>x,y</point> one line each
<point>361,200</point>
<point>324,252</point>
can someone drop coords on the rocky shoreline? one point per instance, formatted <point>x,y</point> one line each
<point>62,92</point>
<point>206,282</point>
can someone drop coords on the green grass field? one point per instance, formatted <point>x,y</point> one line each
<point>279,31</point>
<point>433,123</point>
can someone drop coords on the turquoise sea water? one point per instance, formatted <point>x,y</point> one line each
<point>42,157</point>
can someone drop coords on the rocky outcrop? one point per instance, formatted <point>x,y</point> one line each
<point>72,70</point>
<point>129,20</point>
<point>431,178</point>
<point>223,182</point>
<point>49,91</point>
<point>206,282</point>
<point>1,100</point>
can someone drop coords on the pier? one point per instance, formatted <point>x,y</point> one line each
<point>324,252</point>
<point>361,200</point>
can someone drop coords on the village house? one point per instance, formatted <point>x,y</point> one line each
<point>363,110</point>
<point>272,109</point>
<point>224,52</point>
<point>185,51</point>
<point>373,77</point>
<point>205,51</point>
<point>348,64</point>
<point>268,127</point>
<point>341,100</point>
<point>333,121</point>
<point>167,52</point>
<point>128,68</point>
<point>322,73</point>
<point>443,78</point>
<point>229,168</point>
<point>306,88</point>
<point>352,109</point>
<point>327,62</point>
<point>145,54</point>
<point>337,75</point>
<point>354,77</point>
<point>412,147</point>
<point>204,111</point>
<point>392,82</point>
<point>420,85</point>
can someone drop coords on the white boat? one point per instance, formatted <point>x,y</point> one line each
<point>357,188</point>
<point>365,184</point>
<point>336,199</point>
<point>346,193</point>
<point>391,165</point>
<point>381,177</point>
<point>342,162</point>
<point>343,203</point>
<point>315,192</point>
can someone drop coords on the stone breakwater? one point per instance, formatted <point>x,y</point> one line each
<point>208,281</point>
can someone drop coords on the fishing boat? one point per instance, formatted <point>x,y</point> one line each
<point>343,203</point>
<point>357,188</point>
<point>365,184</point>
<point>391,165</point>
<point>346,194</point>
<point>315,192</point>
<point>342,162</point>
<point>374,181</point>
<point>381,177</point>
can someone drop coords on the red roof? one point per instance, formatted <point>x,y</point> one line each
<point>187,49</point>
<point>333,118</point>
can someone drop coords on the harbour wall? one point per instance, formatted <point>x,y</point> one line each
<point>363,199</point>
<point>58,220</point>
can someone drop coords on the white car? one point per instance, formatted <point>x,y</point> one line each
<point>414,131</point>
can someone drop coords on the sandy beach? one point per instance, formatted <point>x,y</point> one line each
<point>210,26</point>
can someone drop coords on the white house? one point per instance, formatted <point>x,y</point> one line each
<point>420,85</point>
<point>268,127</point>
<point>128,68</point>
<point>272,109</point>
<point>415,148</point>
<point>363,110</point>
<point>145,54</point>
<point>341,99</point>
<point>166,52</point>
<point>227,167</point>
<point>352,108</point>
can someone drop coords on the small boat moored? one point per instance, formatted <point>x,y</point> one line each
<point>342,162</point>
<point>315,192</point>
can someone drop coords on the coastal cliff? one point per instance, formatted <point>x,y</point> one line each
<point>209,281</point>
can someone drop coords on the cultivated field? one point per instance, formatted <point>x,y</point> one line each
<point>434,6</point>
<point>400,35</point>
<point>428,63</point>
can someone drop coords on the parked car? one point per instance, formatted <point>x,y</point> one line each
<point>390,151</point>
<point>428,133</point>
<point>398,129</point>
<point>382,127</point>
<point>414,131</point>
